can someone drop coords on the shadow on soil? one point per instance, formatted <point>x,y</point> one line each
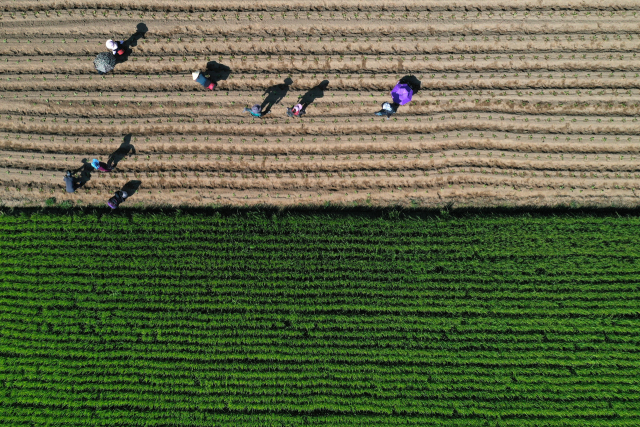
<point>125,149</point>
<point>132,41</point>
<point>275,94</point>
<point>131,187</point>
<point>84,173</point>
<point>314,93</point>
<point>216,71</point>
<point>413,83</point>
<point>391,213</point>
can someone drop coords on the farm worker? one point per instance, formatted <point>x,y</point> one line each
<point>296,111</point>
<point>116,47</point>
<point>254,111</point>
<point>198,77</point>
<point>388,109</point>
<point>118,198</point>
<point>70,183</point>
<point>100,166</point>
<point>402,92</point>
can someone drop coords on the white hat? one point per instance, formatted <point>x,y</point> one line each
<point>112,45</point>
<point>195,74</point>
<point>124,195</point>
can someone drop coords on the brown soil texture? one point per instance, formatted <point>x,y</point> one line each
<point>531,103</point>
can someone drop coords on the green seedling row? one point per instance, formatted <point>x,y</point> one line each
<point>290,319</point>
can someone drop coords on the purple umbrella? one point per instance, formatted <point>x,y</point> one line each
<point>401,94</point>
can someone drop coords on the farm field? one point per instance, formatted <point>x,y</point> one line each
<point>521,103</point>
<point>263,318</point>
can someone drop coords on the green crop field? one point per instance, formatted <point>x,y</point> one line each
<point>290,319</point>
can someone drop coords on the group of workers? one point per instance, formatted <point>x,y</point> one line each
<point>401,94</point>
<point>72,183</point>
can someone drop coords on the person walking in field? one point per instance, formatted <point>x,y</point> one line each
<point>401,94</point>
<point>200,78</point>
<point>100,166</point>
<point>118,198</point>
<point>388,109</point>
<point>71,183</point>
<point>116,47</point>
<point>297,110</point>
<point>255,111</point>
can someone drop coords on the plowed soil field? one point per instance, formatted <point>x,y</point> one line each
<point>521,103</point>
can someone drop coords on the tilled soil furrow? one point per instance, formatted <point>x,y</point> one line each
<point>77,26</point>
<point>59,17</point>
<point>545,97</point>
<point>336,107</point>
<point>519,103</point>
<point>532,63</point>
<point>442,197</point>
<point>160,83</point>
<point>545,6</point>
<point>323,125</point>
<point>440,163</point>
<point>327,183</point>
<point>578,44</point>
<point>526,145</point>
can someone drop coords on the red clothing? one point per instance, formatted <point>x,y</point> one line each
<point>104,168</point>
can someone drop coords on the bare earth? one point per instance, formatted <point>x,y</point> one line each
<point>521,103</point>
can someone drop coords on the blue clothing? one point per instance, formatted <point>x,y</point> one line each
<point>203,81</point>
<point>68,180</point>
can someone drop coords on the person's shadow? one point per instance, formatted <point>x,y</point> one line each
<point>132,42</point>
<point>85,173</point>
<point>275,94</point>
<point>413,83</point>
<point>217,72</point>
<point>314,93</point>
<point>126,148</point>
<point>131,187</point>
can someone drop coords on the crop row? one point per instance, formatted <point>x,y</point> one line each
<point>233,416</point>
<point>574,395</point>
<point>441,279</point>
<point>198,394</point>
<point>269,187</point>
<point>438,280</point>
<point>456,301</point>
<point>500,162</point>
<point>15,12</point>
<point>345,334</point>
<point>163,226</point>
<point>345,64</point>
<point>583,97</point>
<point>265,318</point>
<point>332,30</point>
<point>550,147</point>
<point>66,28</point>
<point>547,7</point>
<point>354,338</point>
<point>13,49</point>
<point>538,226</point>
<point>339,105</point>
<point>472,121</point>
<point>143,82</point>
<point>580,373</point>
